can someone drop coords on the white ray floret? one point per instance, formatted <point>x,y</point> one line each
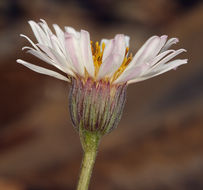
<point>43,70</point>
<point>72,53</point>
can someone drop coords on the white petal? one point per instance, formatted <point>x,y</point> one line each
<point>62,62</point>
<point>39,33</point>
<point>167,67</point>
<point>27,48</point>
<point>56,46</point>
<point>167,58</point>
<point>137,71</point>
<point>109,65</point>
<point>127,41</point>
<point>113,61</point>
<point>162,42</point>
<point>87,52</point>
<point>43,70</point>
<point>55,59</point>
<point>47,51</point>
<point>74,52</point>
<point>71,30</point>
<point>31,42</point>
<point>169,43</point>
<point>149,52</point>
<point>45,27</point>
<point>42,56</point>
<point>109,44</point>
<point>60,35</point>
<point>160,56</point>
<point>119,48</point>
<point>140,60</point>
<point>131,74</point>
<point>143,49</point>
<point>105,41</point>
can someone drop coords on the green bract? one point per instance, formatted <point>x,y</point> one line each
<point>96,106</point>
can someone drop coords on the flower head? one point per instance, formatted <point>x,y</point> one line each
<point>98,72</point>
<point>74,54</point>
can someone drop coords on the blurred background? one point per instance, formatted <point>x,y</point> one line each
<point>158,144</point>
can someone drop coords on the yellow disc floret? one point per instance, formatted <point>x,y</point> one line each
<point>97,53</point>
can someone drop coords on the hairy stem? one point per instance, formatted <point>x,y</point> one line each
<point>90,142</point>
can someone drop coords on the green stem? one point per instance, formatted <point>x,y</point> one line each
<point>90,142</point>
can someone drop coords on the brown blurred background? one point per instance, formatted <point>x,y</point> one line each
<point>159,142</point>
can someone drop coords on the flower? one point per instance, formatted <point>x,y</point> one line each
<point>98,73</point>
<point>74,54</point>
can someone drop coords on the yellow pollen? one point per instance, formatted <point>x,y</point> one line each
<point>97,53</point>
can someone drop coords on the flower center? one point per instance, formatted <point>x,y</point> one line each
<point>97,53</point>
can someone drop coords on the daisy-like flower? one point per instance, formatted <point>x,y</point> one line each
<point>98,72</point>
